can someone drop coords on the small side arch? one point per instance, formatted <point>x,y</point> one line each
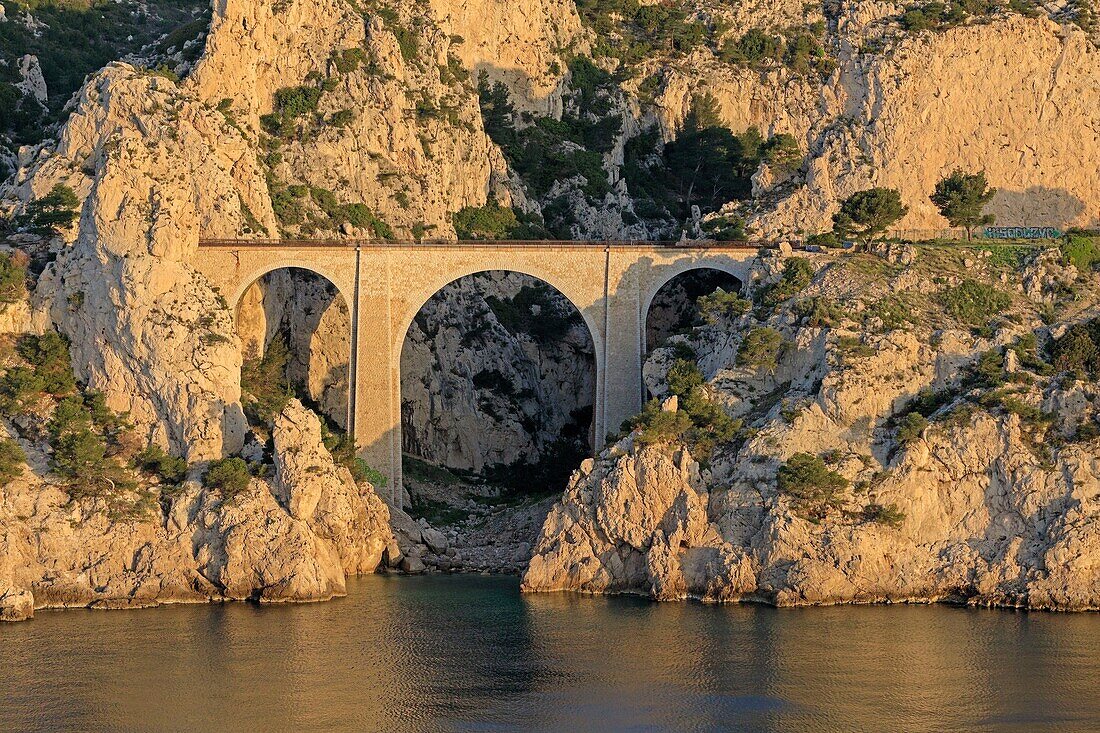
<point>738,269</point>
<point>339,279</point>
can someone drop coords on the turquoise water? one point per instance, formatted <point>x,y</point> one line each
<point>469,653</point>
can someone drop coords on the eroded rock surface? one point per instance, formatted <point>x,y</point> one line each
<point>966,467</point>
<point>293,538</point>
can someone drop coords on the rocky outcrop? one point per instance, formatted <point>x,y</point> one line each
<point>293,538</point>
<point>146,329</point>
<point>963,466</point>
<point>984,524</point>
<point>906,118</point>
<point>517,43</point>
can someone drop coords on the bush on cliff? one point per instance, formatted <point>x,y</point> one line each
<point>815,490</point>
<point>720,307</point>
<point>13,277</point>
<point>911,428</point>
<point>1078,350</point>
<point>657,427</point>
<point>52,213</point>
<point>798,272</point>
<point>760,349</point>
<point>49,355</point>
<point>230,476</point>
<point>888,515</point>
<point>1081,251</point>
<point>264,383</point>
<point>699,422</point>
<point>974,303</point>
<point>344,452</point>
<point>153,459</point>
<point>12,460</point>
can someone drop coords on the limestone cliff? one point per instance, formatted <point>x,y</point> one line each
<point>294,537</point>
<point>880,454</point>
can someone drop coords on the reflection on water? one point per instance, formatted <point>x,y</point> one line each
<point>468,653</point>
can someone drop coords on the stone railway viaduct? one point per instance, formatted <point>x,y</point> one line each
<point>611,284</point>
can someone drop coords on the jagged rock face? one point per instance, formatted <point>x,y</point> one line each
<point>145,328</point>
<point>997,495</point>
<point>413,151</point>
<point>984,524</point>
<point>516,43</point>
<point>295,539</point>
<point>478,388</point>
<point>911,116</point>
<point>311,316</point>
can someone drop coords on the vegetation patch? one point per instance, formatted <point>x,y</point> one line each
<point>265,388</point>
<point>760,349</point>
<point>721,307</point>
<point>974,303</point>
<point>815,490</point>
<point>230,476</point>
<point>699,422</point>
<point>798,272</point>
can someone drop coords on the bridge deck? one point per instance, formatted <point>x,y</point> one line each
<point>494,244</point>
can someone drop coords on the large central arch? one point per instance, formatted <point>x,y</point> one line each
<point>573,354</point>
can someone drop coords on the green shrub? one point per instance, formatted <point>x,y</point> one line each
<point>852,347</point>
<point>341,118</point>
<point>720,306</point>
<point>53,212</point>
<point>760,349</point>
<point>987,371</point>
<point>684,376</point>
<point>362,472</point>
<point>1078,350</point>
<point>866,214</point>
<point>12,460</point>
<point>361,216</point>
<point>228,475</point>
<point>1080,251</point>
<point>13,277</point>
<point>888,515</point>
<point>813,487</point>
<point>974,303</point>
<point>19,387</point>
<point>290,104</point>
<point>348,60</point>
<point>153,459</point>
<point>49,355</point>
<point>79,454</point>
<point>658,427</point>
<point>818,312</point>
<point>491,221</point>
<point>798,272</point>
<point>911,428</point>
<point>264,383</point>
<point>782,152</point>
<point>345,453</point>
